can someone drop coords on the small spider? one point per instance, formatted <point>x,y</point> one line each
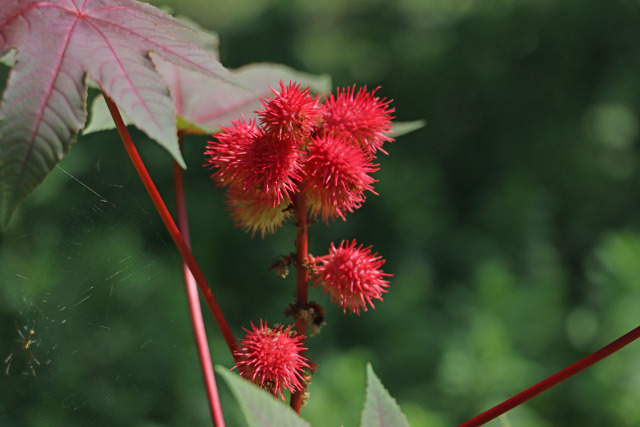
<point>25,345</point>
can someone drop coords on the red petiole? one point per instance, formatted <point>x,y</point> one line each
<point>553,380</point>
<point>188,260</point>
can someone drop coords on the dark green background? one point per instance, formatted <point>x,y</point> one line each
<point>510,223</point>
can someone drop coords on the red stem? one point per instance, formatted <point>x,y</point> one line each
<point>194,302</point>
<point>302,256</point>
<point>187,256</point>
<point>553,380</point>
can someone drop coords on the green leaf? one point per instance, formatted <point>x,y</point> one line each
<point>260,408</point>
<point>189,127</point>
<point>380,409</point>
<point>403,128</point>
<point>9,59</point>
<point>101,117</point>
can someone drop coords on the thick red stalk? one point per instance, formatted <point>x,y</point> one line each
<point>553,380</point>
<point>187,256</point>
<point>302,272</point>
<point>193,300</point>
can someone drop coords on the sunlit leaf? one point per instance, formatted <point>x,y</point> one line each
<point>61,42</point>
<point>260,408</point>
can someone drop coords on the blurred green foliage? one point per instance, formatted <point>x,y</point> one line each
<point>511,224</point>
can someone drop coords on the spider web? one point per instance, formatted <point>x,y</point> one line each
<point>98,283</point>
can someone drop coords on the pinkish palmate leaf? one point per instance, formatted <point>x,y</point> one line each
<point>204,104</point>
<point>61,42</point>
<point>211,104</point>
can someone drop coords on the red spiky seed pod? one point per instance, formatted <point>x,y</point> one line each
<point>361,116</point>
<point>291,114</point>
<point>256,214</point>
<point>225,154</point>
<point>351,276</point>
<point>270,357</point>
<point>338,174</point>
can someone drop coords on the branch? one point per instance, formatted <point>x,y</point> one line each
<point>302,271</point>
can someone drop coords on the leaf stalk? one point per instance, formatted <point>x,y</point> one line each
<point>193,300</point>
<point>553,380</point>
<point>173,230</point>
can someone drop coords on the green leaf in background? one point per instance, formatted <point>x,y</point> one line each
<point>100,117</point>
<point>260,408</point>
<point>380,409</point>
<point>403,128</point>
